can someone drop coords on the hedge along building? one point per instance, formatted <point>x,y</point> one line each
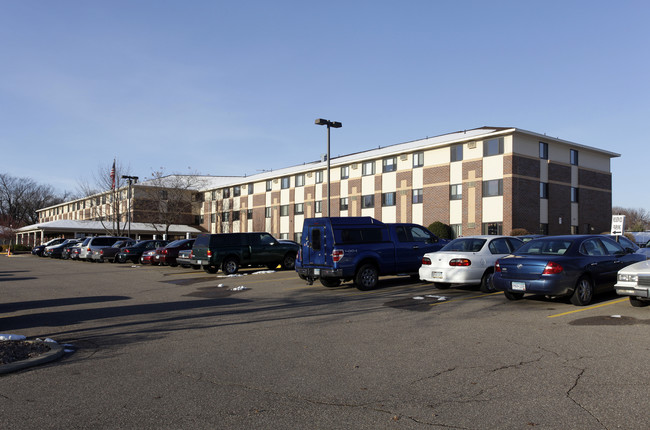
<point>482,181</point>
<point>486,180</point>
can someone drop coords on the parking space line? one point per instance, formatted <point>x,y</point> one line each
<point>587,309</point>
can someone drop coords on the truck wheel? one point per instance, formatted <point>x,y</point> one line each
<point>367,277</point>
<point>330,282</point>
<point>289,262</point>
<point>486,282</point>
<point>638,303</point>
<point>583,293</point>
<point>121,259</point>
<point>210,269</point>
<point>230,266</point>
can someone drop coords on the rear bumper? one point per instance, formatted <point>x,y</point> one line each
<point>319,272</point>
<point>549,287</point>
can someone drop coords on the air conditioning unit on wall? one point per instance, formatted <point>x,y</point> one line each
<point>471,145</point>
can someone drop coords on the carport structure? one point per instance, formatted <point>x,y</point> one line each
<point>36,234</point>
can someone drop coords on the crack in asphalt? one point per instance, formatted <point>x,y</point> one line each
<point>568,394</point>
<point>368,406</point>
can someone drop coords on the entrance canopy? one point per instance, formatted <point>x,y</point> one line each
<point>38,233</point>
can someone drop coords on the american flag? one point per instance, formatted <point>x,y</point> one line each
<point>113,176</point>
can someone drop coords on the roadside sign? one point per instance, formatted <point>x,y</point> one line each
<point>618,224</point>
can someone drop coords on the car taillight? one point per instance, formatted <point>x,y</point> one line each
<point>497,266</point>
<point>127,251</point>
<point>426,261</point>
<point>337,254</point>
<point>101,252</point>
<point>552,269</point>
<point>460,262</point>
<point>209,253</point>
<point>164,251</point>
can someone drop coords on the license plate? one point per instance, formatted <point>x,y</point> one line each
<point>518,286</point>
<point>199,262</point>
<point>316,272</point>
<point>436,275</point>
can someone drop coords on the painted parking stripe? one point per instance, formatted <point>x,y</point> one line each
<point>587,308</point>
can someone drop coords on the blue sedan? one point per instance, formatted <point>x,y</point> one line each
<point>577,266</point>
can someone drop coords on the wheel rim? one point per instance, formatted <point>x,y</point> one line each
<point>231,267</point>
<point>368,278</point>
<point>584,291</point>
<point>289,262</point>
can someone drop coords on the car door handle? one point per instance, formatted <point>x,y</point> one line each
<point>416,247</point>
<point>594,264</point>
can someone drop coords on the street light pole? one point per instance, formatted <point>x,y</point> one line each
<point>329,124</point>
<point>131,179</point>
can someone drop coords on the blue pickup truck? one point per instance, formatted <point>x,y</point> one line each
<point>337,249</point>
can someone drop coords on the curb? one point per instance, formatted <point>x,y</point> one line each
<point>56,351</point>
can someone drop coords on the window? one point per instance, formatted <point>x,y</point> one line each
<point>164,195</point>
<point>299,209</point>
<point>213,195</point>
<point>319,177</point>
<point>284,210</point>
<point>418,159</point>
<point>493,188</point>
<point>574,157</point>
<point>493,147</point>
<point>251,188</point>
<point>225,216</point>
<point>368,201</point>
<point>213,218</point>
<point>418,195</point>
<point>267,212</point>
<point>286,183</point>
<point>389,164</point>
<point>269,185</point>
<point>457,153</point>
<point>226,193</point>
<point>456,192</point>
<point>300,180</point>
<point>297,237</point>
<point>318,207</point>
<point>345,172</point>
<point>543,190</point>
<point>344,203</point>
<point>236,191</point>
<point>388,199</point>
<point>492,228</point>
<point>574,195</point>
<point>543,150</point>
<point>456,230</point>
<point>235,216</point>
<point>368,168</point>
<point>543,229</point>
<point>249,214</point>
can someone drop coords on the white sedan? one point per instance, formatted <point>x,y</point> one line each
<point>634,281</point>
<point>467,260</point>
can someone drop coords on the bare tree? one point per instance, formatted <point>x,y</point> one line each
<point>169,199</point>
<point>635,219</point>
<point>20,198</point>
<point>107,193</point>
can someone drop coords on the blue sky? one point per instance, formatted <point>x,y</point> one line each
<point>232,88</point>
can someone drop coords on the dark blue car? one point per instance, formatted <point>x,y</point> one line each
<point>577,266</point>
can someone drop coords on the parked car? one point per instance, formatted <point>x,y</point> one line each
<point>626,243</point>
<point>169,253</point>
<point>38,249</point>
<point>184,259</point>
<point>230,251</point>
<point>75,251</point>
<point>528,237</point>
<point>67,250</point>
<point>576,266</point>
<point>634,281</point>
<point>56,251</point>
<point>134,252</point>
<point>147,257</point>
<point>108,253</point>
<point>336,249</point>
<point>467,261</point>
<point>95,243</point>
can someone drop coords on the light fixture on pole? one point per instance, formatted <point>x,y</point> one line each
<point>131,179</point>
<point>329,124</point>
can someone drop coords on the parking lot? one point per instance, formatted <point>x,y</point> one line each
<point>162,347</point>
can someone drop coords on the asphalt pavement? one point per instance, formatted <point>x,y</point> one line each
<point>172,348</point>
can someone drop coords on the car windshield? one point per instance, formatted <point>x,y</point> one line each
<point>176,243</point>
<point>465,244</point>
<point>545,247</point>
